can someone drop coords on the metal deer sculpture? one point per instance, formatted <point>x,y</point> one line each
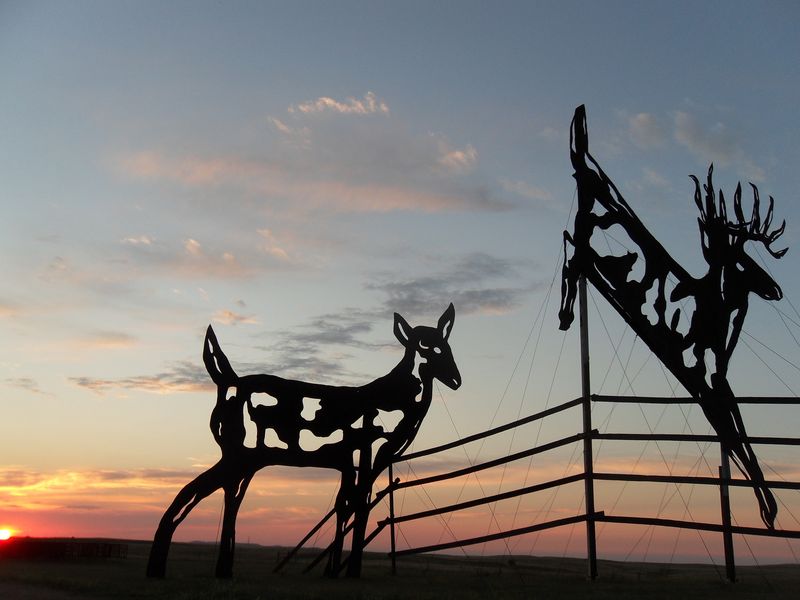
<point>347,422</point>
<point>720,296</point>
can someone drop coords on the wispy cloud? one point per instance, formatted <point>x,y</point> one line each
<point>368,105</point>
<point>299,136</point>
<point>527,190</point>
<point>341,166</point>
<point>109,340</point>
<point>476,283</point>
<point>455,159</point>
<point>273,183</point>
<point>143,240</point>
<point>272,246</point>
<point>85,276</point>
<point>188,259</point>
<point>8,309</point>
<point>467,283</point>
<point>18,482</point>
<point>716,143</point>
<point>229,317</point>
<point>182,377</point>
<point>646,130</point>
<point>27,384</point>
<point>286,129</point>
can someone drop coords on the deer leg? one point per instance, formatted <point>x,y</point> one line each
<point>261,435</point>
<point>234,494</point>
<point>190,496</point>
<point>343,512</point>
<point>360,508</point>
<point>360,519</point>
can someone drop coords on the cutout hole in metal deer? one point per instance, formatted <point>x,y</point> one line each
<point>344,427</point>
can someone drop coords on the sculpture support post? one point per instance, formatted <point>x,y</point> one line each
<point>725,505</point>
<point>391,517</point>
<point>591,540</point>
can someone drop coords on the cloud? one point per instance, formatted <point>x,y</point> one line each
<point>340,166</point>
<point>271,246</point>
<point>184,376</point>
<point>470,283</point>
<point>137,240</point>
<point>28,384</point>
<point>342,329</point>
<point>299,136</point>
<point>38,489</point>
<point>109,340</point>
<point>646,131</point>
<point>552,134</point>
<point>8,309</point>
<point>228,317</point>
<point>717,143</point>
<point>653,178</point>
<point>100,281</point>
<point>369,105</point>
<point>301,191</point>
<point>189,260</point>
<point>193,247</point>
<point>457,160</point>
<point>314,350</point>
<point>465,283</point>
<point>287,130</point>
<point>526,190</point>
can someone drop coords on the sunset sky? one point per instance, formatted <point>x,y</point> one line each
<point>295,172</point>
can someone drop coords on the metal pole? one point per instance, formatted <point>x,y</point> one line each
<point>391,516</point>
<point>725,505</point>
<point>591,539</point>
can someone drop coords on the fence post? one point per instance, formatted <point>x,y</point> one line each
<point>391,517</point>
<point>588,469</point>
<point>725,506</point>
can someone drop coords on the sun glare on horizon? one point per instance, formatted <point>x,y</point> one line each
<point>5,534</point>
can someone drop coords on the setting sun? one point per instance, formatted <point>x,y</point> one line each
<point>5,534</point>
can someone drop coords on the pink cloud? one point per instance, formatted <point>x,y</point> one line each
<point>325,194</point>
<point>370,104</point>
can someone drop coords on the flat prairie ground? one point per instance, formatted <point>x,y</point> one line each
<point>191,566</point>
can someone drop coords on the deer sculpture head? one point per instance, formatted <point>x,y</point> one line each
<point>723,240</point>
<point>430,345</point>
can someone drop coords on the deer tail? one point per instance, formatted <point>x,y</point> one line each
<point>217,364</point>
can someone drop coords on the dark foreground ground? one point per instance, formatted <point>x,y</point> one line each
<point>191,566</point>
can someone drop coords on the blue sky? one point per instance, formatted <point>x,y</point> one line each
<point>293,173</point>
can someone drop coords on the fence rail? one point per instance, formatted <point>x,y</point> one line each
<point>723,481</point>
<point>589,477</point>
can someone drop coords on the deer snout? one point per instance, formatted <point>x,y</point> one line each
<point>453,381</point>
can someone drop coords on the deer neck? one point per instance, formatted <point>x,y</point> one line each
<point>411,372</point>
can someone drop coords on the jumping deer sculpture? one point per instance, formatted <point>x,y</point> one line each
<point>720,296</point>
<point>347,423</point>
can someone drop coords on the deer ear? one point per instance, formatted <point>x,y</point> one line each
<point>446,321</point>
<point>402,330</point>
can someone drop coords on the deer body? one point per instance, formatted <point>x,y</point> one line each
<point>720,296</point>
<point>363,450</point>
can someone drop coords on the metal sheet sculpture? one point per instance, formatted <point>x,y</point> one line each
<point>363,450</point>
<point>720,296</point>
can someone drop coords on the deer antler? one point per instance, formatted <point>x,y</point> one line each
<point>714,215</point>
<point>753,229</point>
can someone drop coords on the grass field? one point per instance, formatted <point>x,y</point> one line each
<point>191,566</point>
